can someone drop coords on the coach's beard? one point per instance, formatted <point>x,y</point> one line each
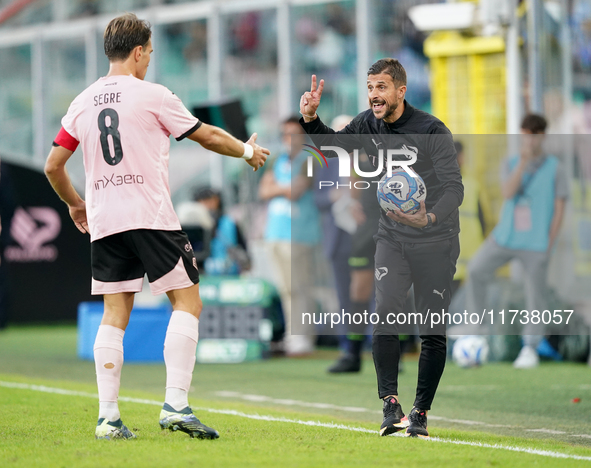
<point>379,106</point>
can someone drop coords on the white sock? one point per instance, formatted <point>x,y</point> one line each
<point>180,346</point>
<point>109,410</point>
<point>108,359</point>
<point>177,398</point>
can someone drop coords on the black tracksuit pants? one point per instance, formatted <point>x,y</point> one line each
<point>430,266</point>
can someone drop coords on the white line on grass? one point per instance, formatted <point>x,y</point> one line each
<point>61,391</point>
<point>355,409</point>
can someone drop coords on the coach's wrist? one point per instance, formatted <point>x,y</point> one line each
<point>76,202</point>
<point>309,117</point>
<point>430,220</point>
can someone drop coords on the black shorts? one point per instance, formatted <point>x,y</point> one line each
<point>120,261</point>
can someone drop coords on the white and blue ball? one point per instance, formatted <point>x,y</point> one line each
<point>401,191</point>
<point>470,351</point>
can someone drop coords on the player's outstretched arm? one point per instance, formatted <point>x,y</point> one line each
<point>216,139</point>
<point>310,100</point>
<point>55,170</point>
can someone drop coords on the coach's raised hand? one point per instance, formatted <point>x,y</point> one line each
<point>311,100</point>
<point>260,154</point>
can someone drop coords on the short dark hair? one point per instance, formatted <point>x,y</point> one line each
<point>125,33</point>
<point>204,193</point>
<point>535,123</point>
<point>391,67</point>
<point>294,119</point>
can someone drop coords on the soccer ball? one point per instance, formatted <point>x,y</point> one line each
<point>470,351</point>
<point>401,191</point>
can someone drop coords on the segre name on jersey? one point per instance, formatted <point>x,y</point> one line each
<point>107,98</point>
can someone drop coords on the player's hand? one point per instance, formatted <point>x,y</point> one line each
<point>310,100</point>
<point>260,154</point>
<point>78,215</point>
<point>418,220</point>
<point>528,143</point>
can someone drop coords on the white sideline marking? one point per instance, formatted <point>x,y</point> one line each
<point>262,398</point>
<point>61,391</point>
<point>546,431</point>
<point>467,388</point>
<point>305,404</point>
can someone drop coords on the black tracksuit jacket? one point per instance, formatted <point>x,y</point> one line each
<point>436,163</point>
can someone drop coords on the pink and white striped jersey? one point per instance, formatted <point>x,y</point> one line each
<point>123,124</point>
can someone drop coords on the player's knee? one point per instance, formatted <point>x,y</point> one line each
<point>193,307</point>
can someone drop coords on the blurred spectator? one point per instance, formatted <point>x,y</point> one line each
<point>245,33</point>
<point>365,210</point>
<point>228,252</point>
<point>86,8</point>
<point>336,241</point>
<point>327,47</point>
<point>581,22</point>
<point>535,189</point>
<point>339,19</point>
<point>196,49</point>
<point>218,243</point>
<point>292,231</point>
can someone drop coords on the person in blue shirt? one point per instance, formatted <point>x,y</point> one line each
<point>228,252</point>
<point>535,190</point>
<point>292,231</point>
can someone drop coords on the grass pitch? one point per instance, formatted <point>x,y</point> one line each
<point>285,413</point>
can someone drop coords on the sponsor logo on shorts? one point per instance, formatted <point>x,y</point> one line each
<point>195,263</point>
<point>381,272</point>
<point>188,247</point>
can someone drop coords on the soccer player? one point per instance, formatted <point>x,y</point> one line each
<point>419,249</point>
<point>123,124</point>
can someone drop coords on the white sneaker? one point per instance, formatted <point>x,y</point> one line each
<point>528,358</point>
<point>298,345</point>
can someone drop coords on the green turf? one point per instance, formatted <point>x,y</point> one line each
<point>494,394</point>
<point>41,429</point>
